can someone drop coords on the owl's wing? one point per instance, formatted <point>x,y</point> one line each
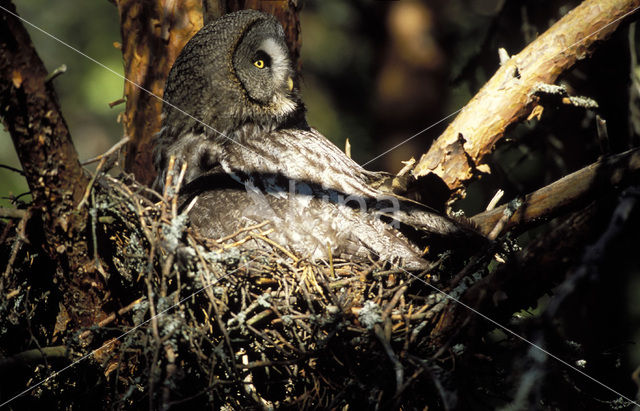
<point>304,220</point>
<point>307,157</point>
<point>301,155</point>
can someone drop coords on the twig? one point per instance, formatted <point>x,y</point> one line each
<point>397,365</point>
<point>12,213</point>
<point>26,358</point>
<point>507,213</point>
<point>391,304</point>
<point>87,191</point>
<point>494,201</point>
<point>117,102</point>
<point>107,153</point>
<point>276,245</point>
<point>214,305</point>
<point>170,371</point>
<point>56,72</point>
<point>16,170</point>
<point>113,316</point>
<point>20,238</point>
<point>603,135</point>
<point>242,230</point>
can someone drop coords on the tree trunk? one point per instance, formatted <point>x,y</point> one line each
<point>57,181</point>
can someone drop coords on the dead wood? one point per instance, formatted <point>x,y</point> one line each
<point>568,193</point>
<point>517,284</point>
<point>459,154</point>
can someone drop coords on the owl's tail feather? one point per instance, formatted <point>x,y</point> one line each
<point>426,227</point>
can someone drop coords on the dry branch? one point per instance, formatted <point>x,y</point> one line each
<point>568,193</point>
<point>458,155</point>
<point>519,283</point>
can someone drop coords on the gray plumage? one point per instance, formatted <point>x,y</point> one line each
<point>256,158</point>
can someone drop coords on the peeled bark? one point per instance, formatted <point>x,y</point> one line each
<point>459,154</point>
<point>568,193</point>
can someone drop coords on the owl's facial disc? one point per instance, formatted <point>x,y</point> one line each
<point>262,65</point>
<point>278,60</point>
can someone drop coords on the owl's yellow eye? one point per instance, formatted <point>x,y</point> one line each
<point>259,63</point>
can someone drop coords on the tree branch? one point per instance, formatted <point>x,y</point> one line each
<point>518,284</point>
<point>457,156</point>
<point>568,193</point>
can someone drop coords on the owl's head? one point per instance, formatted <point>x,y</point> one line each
<point>235,72</point>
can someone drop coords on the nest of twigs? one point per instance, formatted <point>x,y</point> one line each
<point>191,322</point>
<point>204,322</point>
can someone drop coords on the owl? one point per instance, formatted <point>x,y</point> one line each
<point>234,115</point>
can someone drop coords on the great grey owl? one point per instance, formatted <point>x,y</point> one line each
<point>234,114</point>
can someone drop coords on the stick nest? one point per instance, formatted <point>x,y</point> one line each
<point>205,322</point>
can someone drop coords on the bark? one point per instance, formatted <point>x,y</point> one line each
<point>32,116</point>
<point>458,155</point>
<point>153,34</point>
<point>57,181</point>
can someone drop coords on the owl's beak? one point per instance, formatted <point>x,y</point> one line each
<point>290,83</point>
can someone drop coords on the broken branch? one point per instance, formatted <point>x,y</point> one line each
<point>458,155</point>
